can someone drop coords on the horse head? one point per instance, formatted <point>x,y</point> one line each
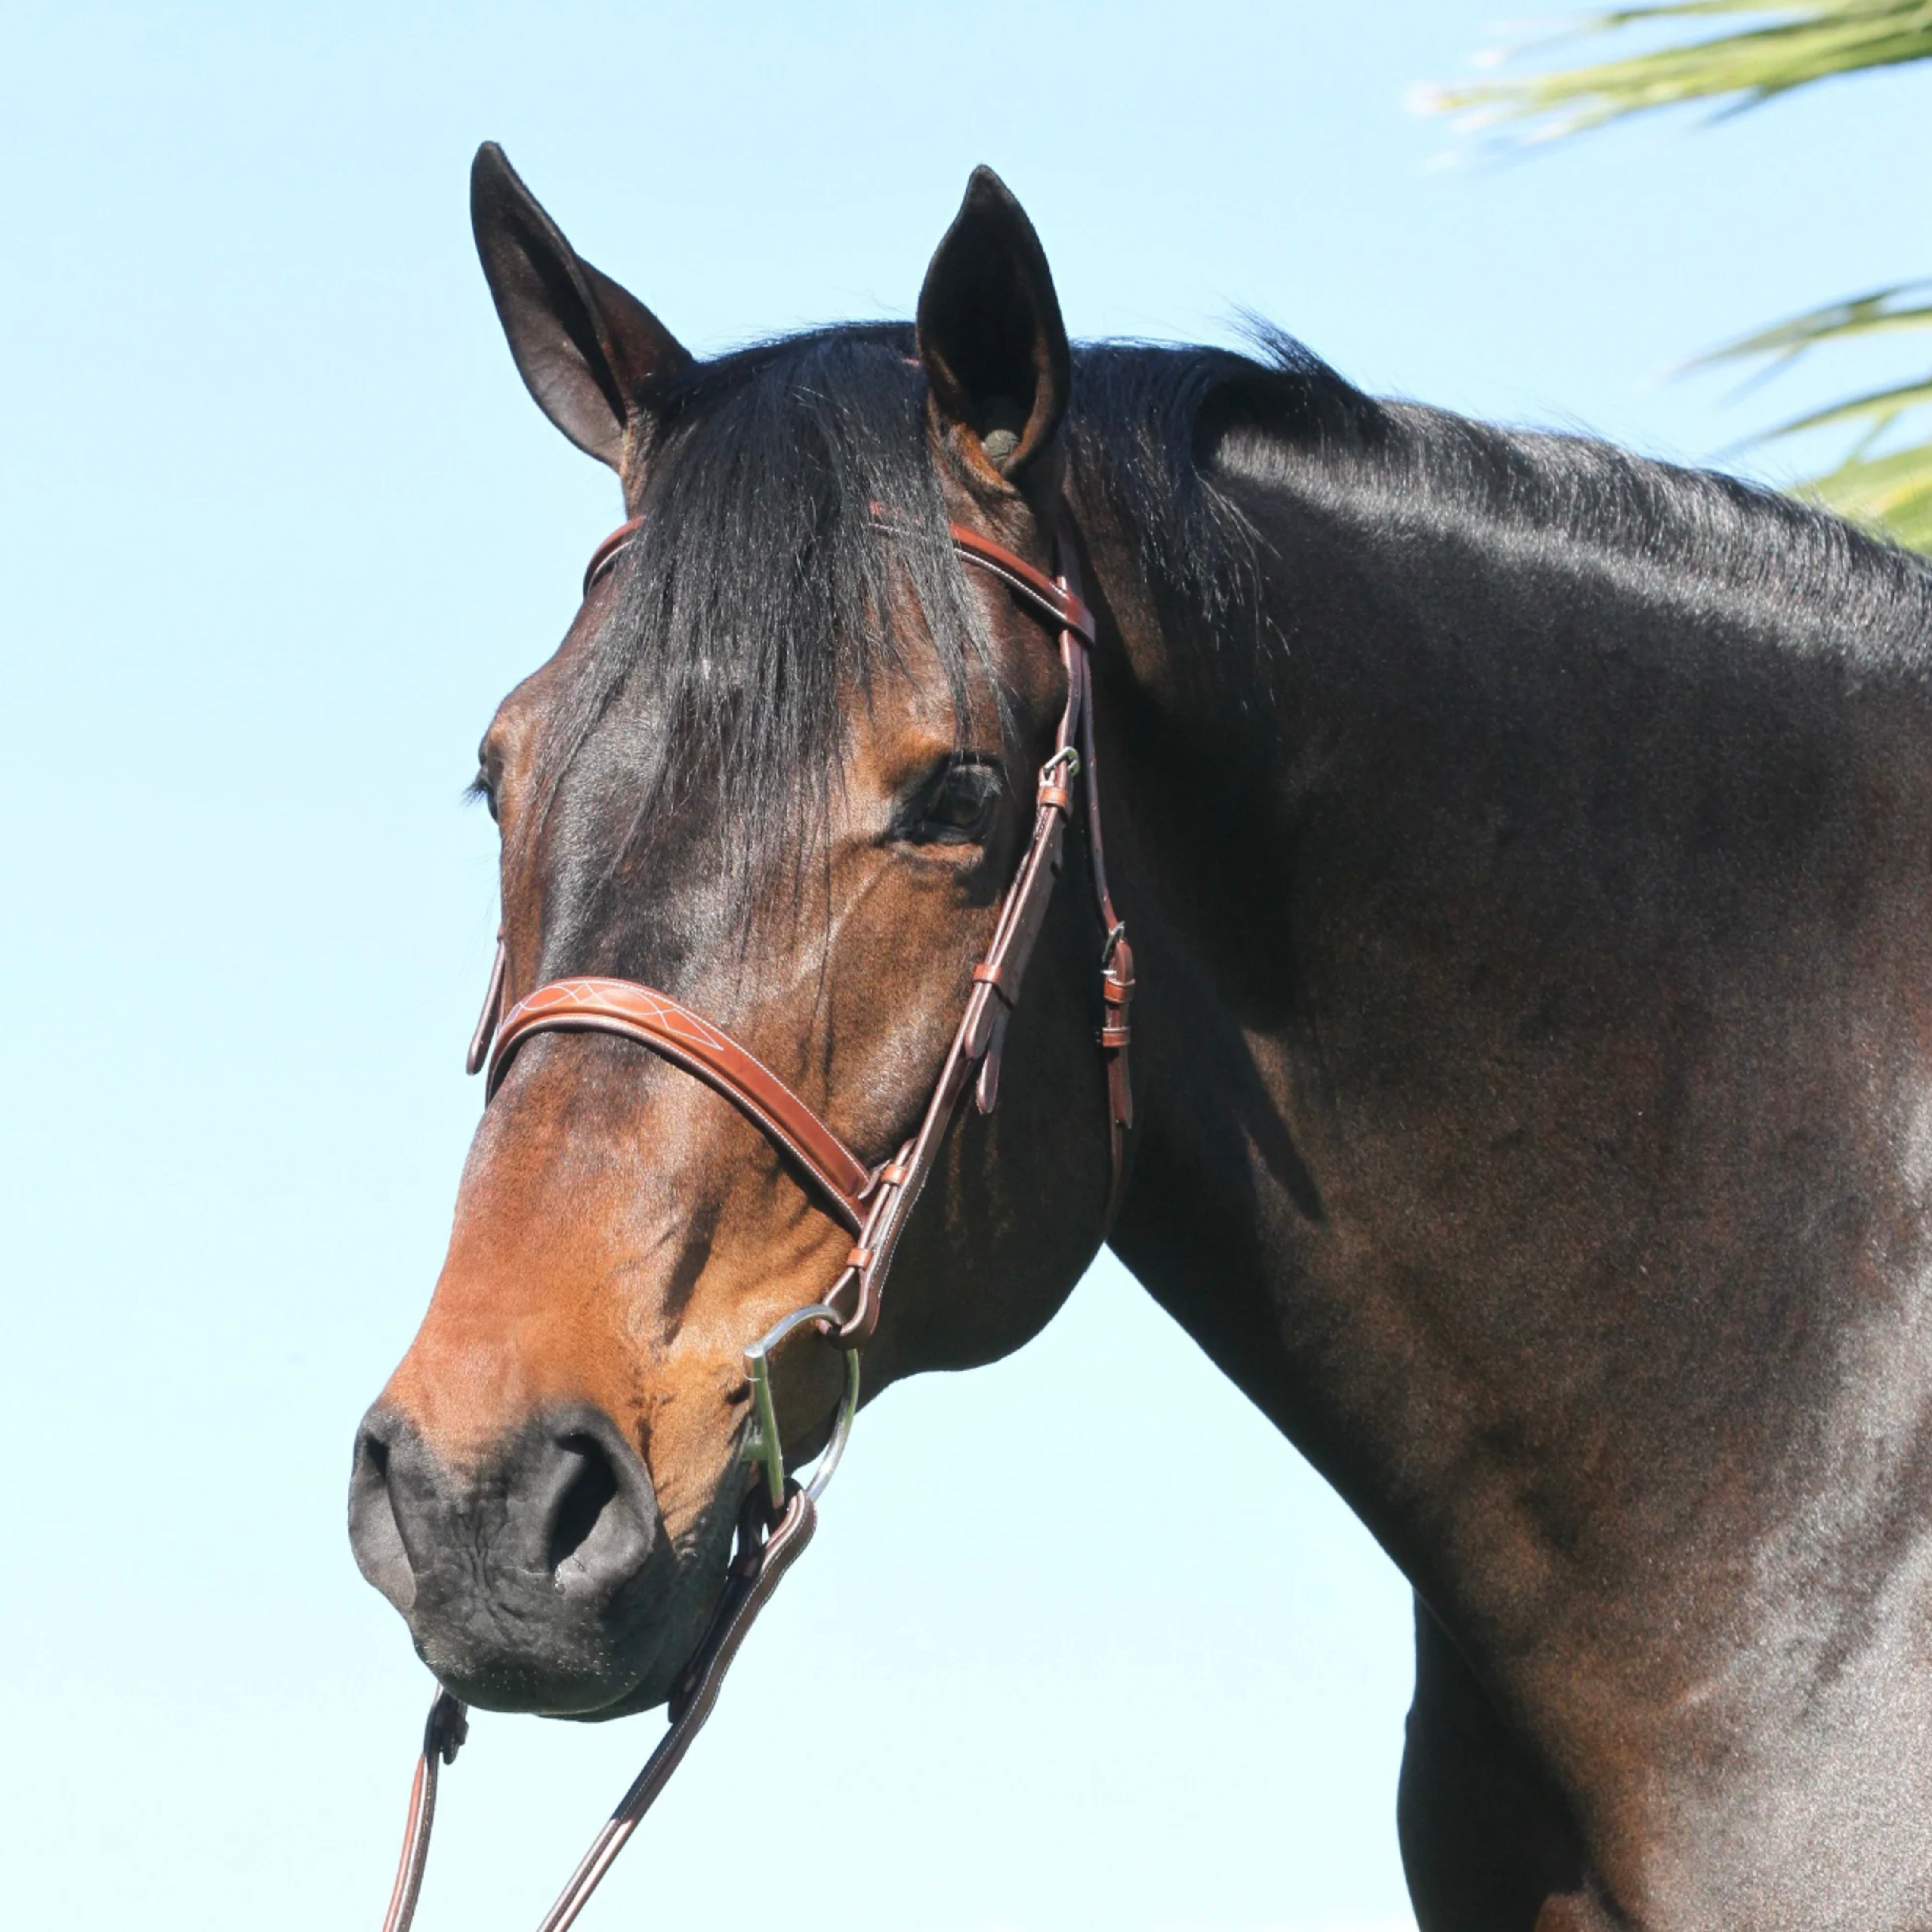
<point>782,769</point>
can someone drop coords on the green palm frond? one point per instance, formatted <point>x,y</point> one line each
<point>1796,42</point>
<point>1881,313</point>
<point>1755,50</point>
<point>1892,490</point>
<point>1892,493</point>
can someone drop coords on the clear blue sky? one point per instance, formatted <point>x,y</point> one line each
<point>1082,1644</point>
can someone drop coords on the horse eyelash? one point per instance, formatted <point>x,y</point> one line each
<point>912,819</point>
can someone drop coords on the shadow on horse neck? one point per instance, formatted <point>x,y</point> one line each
<point>1527,850</point>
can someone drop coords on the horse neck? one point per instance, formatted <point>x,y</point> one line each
<point>1508,1128</point>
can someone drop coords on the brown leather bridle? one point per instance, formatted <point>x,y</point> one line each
<point>873,1201</point>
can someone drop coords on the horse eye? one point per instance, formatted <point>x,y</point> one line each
<point>480,787</point>
<point>958,810</point>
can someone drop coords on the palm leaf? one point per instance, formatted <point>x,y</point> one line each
<point>1797,41</point>
<point>1878,410</point>
<point>1892,490</point>
<point>1877,314</point>
<point>1893,494</point>
<point>1783,44</point>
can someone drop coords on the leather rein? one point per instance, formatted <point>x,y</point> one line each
<point>873,1201</point>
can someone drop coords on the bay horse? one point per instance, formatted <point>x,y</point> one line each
<point>1527,852</point>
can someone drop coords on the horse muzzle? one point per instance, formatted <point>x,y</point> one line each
<point>536,1577</point>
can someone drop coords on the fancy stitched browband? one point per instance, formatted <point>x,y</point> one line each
<point>873,1202</point>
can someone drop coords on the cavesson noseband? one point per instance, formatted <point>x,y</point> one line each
<point>873,1201</point>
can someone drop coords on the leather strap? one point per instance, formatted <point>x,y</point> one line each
<point>655,1020</point>
<point>605,554</point>
<point>756,1571</point>
<point>997,981</point>
<point>976,1048</point>
<point>1116,956</point>
<point>492,1015</point>
<point>1055,598</point>
<point>443,1736</point>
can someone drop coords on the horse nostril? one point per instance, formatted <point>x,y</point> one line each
<point>373,1533</point>
<point>600,1526</point>
<point>533,1571</point>
<point>585,1497</point>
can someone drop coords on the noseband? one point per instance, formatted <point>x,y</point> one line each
<point>874,1201</point>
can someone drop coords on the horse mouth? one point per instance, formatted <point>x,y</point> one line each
<point>540,1577</point>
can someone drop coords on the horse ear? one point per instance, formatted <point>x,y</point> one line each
<point>591,353</point>
<point>990,334</point>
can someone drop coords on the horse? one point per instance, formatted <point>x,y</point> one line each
<point>1527,852</point>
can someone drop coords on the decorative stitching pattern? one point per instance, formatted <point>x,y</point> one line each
<point>656,1021</point>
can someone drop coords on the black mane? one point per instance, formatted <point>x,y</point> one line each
<point>1173,438</point>
<point>760,592</point>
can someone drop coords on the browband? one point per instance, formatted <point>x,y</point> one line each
<point>1054,601</point>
